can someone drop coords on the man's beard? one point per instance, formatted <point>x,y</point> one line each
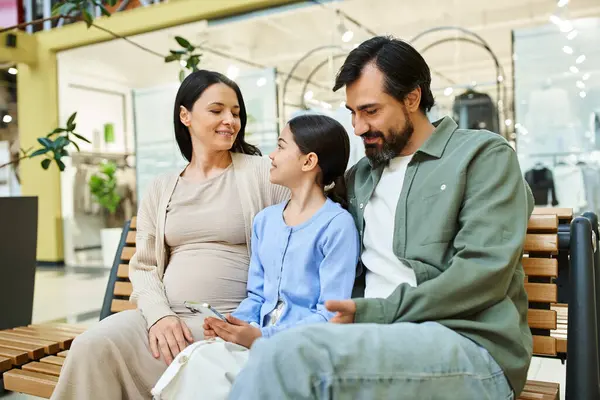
<point>392,145</point>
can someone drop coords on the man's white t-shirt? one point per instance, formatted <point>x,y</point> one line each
<point>384,272</point>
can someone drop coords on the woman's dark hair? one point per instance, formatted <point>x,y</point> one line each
<point>190,90</point>
<point>404,68</point>
<point>328,139</point>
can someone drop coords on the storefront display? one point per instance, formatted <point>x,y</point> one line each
<point>557,97</point>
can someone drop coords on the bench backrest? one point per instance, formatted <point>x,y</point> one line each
<point>540,263</point>
<point>119,287</point>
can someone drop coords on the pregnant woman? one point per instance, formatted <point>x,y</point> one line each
<point>193,244</point>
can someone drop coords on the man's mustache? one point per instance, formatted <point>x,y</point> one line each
<point>372,135</point>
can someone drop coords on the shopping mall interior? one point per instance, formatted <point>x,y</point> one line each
<point>528,71</point>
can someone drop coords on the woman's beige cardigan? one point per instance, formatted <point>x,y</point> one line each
<point>147,266</point>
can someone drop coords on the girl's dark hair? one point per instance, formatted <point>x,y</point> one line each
<point>190,90</point>
<point>328,139</point>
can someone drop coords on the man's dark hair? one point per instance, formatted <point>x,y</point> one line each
<point>404,68</point>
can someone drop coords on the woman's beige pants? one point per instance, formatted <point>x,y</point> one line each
<point>112,360</point>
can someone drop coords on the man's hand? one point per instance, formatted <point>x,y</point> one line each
<point>344,309</point>
<point>234,330</point>
<point>169,336</point>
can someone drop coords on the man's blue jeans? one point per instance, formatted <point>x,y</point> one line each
<point>369,361</point>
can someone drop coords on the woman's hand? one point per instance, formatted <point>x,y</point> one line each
<point>234,330</point>
<point>209,333</point>
<point>169,336</point>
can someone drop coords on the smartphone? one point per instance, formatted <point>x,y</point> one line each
<point>205,309</point>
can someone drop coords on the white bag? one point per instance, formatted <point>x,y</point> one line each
<point>204,370</point>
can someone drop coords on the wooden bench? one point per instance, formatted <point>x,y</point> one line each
<point>31,357</point>
<point>540,264</point>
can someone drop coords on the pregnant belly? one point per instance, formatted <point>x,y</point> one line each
<point>217,277</point>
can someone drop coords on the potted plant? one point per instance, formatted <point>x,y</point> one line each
<point>104,189</point>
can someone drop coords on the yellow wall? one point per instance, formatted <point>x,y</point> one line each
<point>38,96</point>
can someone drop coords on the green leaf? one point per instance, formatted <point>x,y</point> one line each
<point>179,52</point>
<point>46,163</point>
<point>76,145</point>
<point>46,142</point>
<point>61,142</point>
<point>39,152</point>
<point>78,136</point>
<point>104,11</point>
<point>71,121</point>
<point>112,3</point>
<point>171,57</point>
<point>87,17</point>
<point>56,131</point>
<point>61,165</point>
<point>184,43</point>
<point>181,75</point>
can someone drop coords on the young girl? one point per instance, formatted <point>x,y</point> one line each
<point>304,252</point>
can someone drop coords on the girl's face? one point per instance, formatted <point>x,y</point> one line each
<point>214,120</point>
<point>288,164</point>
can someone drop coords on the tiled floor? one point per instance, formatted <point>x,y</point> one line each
<point>76,295</point>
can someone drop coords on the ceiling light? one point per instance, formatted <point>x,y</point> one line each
<point>508,122</point>
<point>183,63</point>
<point>585,77</point>
<point>448,91</point>
<point>572,35</point>
<point>347,36</point>
<point>580,85</point>
<point>562,3</point>
<point>555,19</point>
<point>580,59</point>
<point>12,71</point>
<point>500,78</point>
<point>308,95</point>
<point>6,119</point>
<point>582,94</point>
<point>261,82</point>
<point>574,69</point>
<point>568,49</point>
<point>233,72</point>
<point>474,83</point>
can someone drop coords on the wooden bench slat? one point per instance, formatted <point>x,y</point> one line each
<point>545,345</point>
<point>34,352</point>
<point>133,224</point>
<point>50,347</point>
<point>62,327</point>
<point>123,289</point>
<point>541,292</point>
<point>54,360</point>
<point>543,223</point>
<point>63,354</point>
<point>49,332</point>
<point>5,364</point>
<point>17,357</point>
<point>123,271</point>
<point>541,243</point>
<point>42,368</point>
<point>541,319</point>
<point>561,345</point>
<point>64,342</point>
<point>127,253</point>
<point>28,382</point>
<point>540,267</point>
<point>130,237</point>
<point>121,305</point>
<point>562,213</point>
